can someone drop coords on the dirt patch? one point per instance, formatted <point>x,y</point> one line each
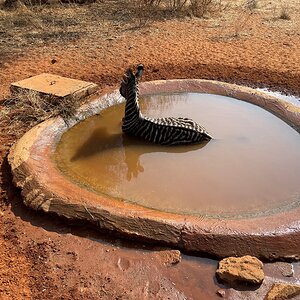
<point>79,263</point>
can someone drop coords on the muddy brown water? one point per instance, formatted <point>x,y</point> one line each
<point>250,168</point>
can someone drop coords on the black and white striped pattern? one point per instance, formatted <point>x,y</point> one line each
<point>163,131</point>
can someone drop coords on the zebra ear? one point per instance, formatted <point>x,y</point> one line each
<point>139,72</point>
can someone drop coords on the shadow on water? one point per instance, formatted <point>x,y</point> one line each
<point>101,140</point>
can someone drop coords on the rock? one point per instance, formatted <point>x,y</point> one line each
<point>241,269</point>
<point>221,293</point>
<point>280,291</point>
<point>286,269</point>
<point>169,257</point>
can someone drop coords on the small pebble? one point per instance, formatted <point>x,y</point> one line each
<point>221,293</point>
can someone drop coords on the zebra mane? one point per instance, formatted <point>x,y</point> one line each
<point>130,79</point>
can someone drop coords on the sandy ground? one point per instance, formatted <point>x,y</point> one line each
<point>42,257</point>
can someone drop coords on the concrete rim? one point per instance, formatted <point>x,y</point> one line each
<point>45,188</point>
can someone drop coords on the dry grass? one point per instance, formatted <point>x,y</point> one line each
<point>60,22</point>
<point>243,22</point>
<point>202,8</point>
<point>25,109</point>
<point>284,12</point>
<point>251,4</point>
<point>30,15</point>
<point>145,12</point>
<point>19,27</point>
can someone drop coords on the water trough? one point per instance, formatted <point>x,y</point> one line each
<point>38,162</point>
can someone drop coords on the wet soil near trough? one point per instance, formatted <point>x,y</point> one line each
<point>43,257</point>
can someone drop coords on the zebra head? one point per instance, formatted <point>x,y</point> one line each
<point>130,81</point>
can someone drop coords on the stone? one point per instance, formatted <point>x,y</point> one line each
<point>221,293</point>
<point>169,257</point>
<point>286,269</point>
<point>280,291</point>
<point>241,269</point>
<point>57,86</point>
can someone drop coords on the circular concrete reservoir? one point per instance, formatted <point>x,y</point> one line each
<point>238,194</point>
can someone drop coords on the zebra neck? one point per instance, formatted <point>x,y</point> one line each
<point>132,108</point>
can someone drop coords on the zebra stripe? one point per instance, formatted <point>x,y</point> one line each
<point>164,131</point>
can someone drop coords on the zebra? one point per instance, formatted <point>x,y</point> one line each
<point>163,131</point>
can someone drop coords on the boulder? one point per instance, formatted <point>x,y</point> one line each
<point>241,269</point>
<point>280,291</point>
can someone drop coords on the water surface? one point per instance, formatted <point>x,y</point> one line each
<point>251,168</point>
